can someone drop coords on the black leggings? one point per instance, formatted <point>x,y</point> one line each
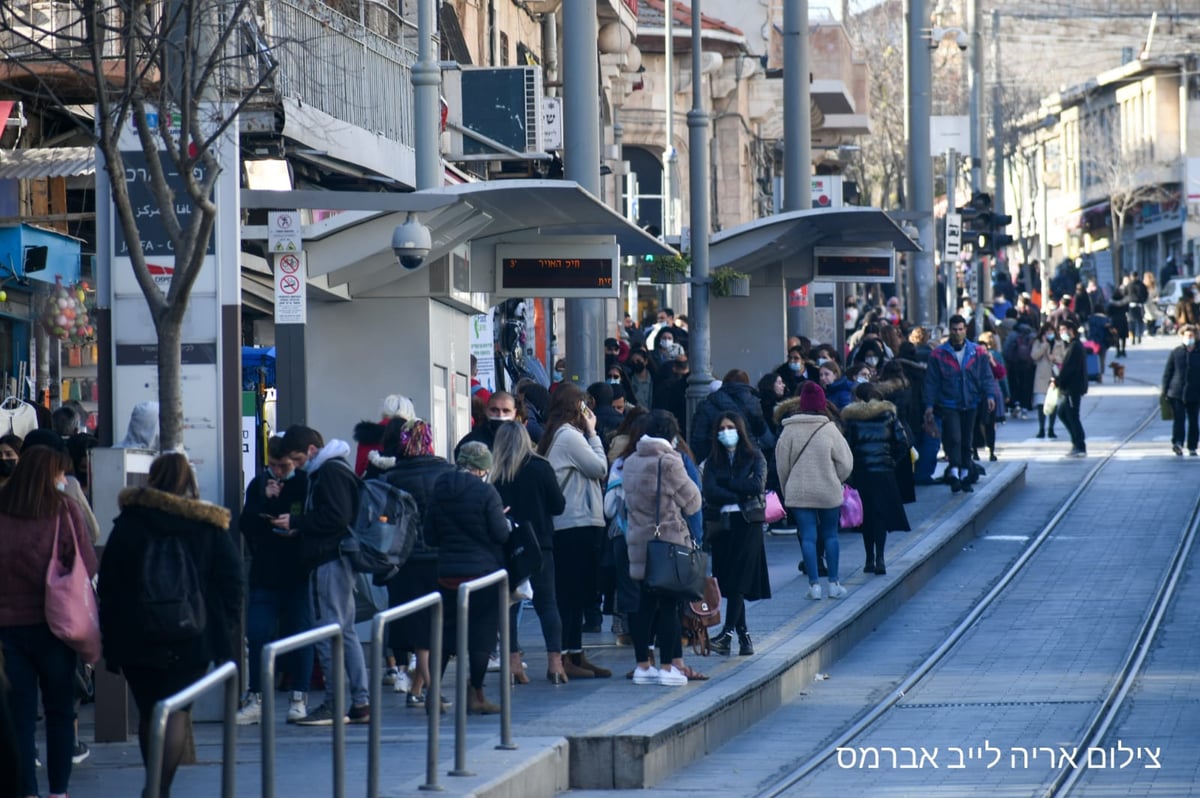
<point>545,602</point>
<point>735,613</point>
<point>483,624</point>
<point>576,567</point>
<point>656,619</point>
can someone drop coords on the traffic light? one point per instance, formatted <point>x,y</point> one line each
<point>976,220</point>
<point>992,237</point>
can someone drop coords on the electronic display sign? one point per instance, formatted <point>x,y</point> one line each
<point>557,270</point>
<point>854,264</point>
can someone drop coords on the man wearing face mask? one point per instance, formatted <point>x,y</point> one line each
<point>1072,384</point>
<point>277,581</point>
<point>501,407</point>
<point>10,445</point>
<point>1181,387</point>
<point>957,381</point>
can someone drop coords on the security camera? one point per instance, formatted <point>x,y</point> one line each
<point>411,242</point>
<point>962,40</point>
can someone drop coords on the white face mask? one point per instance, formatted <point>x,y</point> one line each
<point>871,361</point>
<point>728,438</point>
<point>861,380</point>
<point>665,343</point>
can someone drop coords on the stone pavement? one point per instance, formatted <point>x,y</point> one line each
<point>604,732</point>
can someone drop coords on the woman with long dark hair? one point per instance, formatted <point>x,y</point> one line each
<point>529,489</point>
<point>735,476</point>
<point>168,506</point>
<point>32,506</point>
<point>575,451</point>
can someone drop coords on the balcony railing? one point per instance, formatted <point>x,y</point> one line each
<point>341,66</point>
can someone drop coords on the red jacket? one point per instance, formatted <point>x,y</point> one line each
<point>25,550</point>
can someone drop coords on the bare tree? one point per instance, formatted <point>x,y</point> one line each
<point>1127,177</point>
<point>178,71</point>
<point>1020,151</point>
<point>879,164</point>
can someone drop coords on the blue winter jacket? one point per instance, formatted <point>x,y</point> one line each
<point>954,388</point>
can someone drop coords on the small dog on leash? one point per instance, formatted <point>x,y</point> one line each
<point>1118,370</point>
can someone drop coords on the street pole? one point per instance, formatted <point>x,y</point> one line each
<point>997,125</point>
<point>581,128</point>
<point>919,197</point>
<point>426,78</point>
<point>950,266</point>
<point>670,156</point>
<point>975,12</point>
<point>797,113</point>
<point>700,349</point>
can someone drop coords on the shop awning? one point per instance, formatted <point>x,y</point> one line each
<point>47,162</point>
<point>777,238</point>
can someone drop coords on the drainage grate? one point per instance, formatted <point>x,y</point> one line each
<point>956,704</point>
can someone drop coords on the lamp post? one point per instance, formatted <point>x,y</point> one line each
<point>700,356</point>
<point>426,77</point>
<point>922,284</point>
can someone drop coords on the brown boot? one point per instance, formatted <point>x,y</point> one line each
<point>574,670</point>
<point>477,704</point>
<point>597,671</point>
<point>517,668</point>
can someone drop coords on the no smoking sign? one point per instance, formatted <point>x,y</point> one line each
<point>290,294</point>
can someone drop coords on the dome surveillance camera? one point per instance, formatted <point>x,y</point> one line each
<point>411,242</point>
<point>962,40</point>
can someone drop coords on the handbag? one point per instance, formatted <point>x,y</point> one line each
<point>70,602</point>
<point>852,509</point>
<point>522,553</point>
<point>1165,409</point>
<point>671,568</point>
<point>774,511</point>
<point>698,616</point>
<point>754,510</point>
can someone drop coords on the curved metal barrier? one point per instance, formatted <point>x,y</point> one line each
<point>432,601</point>
<point>460,710</point>
<point>226,674</point>
<point>269,654</point>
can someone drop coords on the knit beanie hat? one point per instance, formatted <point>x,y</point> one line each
<point>812,398</point>
<point>474,455</point>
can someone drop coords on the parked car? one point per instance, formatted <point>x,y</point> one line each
<point>1170,294</point>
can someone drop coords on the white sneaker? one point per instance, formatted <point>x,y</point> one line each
<point>647,675</point>
<point>836,590</point>
<point>402,684</point>
<point>297,707</point>
<point>671,677</point>
<point>389,675</point>
<point>251,711</point>
<point>493,664</point>
<point>814,591</point>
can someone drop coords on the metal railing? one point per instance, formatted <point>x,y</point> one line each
<point>227,674</point>
<point>460,710</point>
<point>432,601</point>
<point>338,679</point>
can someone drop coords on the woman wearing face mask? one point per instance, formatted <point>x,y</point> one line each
<point>792,370</point>
<point>32,507</point>
<point>1047,354</point>
<point>735,475</point>
<point>1181,387</point>
<point>10,447</point>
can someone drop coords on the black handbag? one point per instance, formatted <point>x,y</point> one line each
<point>672,568</point>
<point>522,553</point>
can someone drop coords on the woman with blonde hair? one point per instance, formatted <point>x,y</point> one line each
<point>529,489</point>
<point>158,665</point>
<point>33,508</point>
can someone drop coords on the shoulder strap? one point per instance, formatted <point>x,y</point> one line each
<point>810,439</point>
<point>658,498</point>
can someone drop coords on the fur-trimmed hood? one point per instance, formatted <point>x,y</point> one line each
<point>191,509</point>
<point>380,461</point>
<point>892,387</point>
<point>369,432</point>
<point>865,411</point>
<point>787,407</point>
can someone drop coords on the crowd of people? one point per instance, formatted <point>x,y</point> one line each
<point>595,473</point>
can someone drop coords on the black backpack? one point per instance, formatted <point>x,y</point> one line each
<point>170,599</point>
<point>384,531</point>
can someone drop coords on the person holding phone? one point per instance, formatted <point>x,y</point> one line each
<point>278,604</point>
<point>575,451</point>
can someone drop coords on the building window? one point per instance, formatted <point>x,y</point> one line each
<point>503,49</point>
<point>642,197</point>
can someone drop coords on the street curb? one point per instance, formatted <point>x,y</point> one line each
<point>642,753</point>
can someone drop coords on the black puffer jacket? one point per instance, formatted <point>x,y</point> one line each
<point>204,529</point>
<point>733,481</point>
<point>534,497</point>
<point>331,507</point>
<point>417,476</point>
<point>468,526</point>
<point>875,435</point>
<point>276,562</point>
<point>1072,376</point>
<point>732,397</point>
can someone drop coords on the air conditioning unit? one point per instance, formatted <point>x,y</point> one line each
<point>495,113</point>
<point>38,28</point>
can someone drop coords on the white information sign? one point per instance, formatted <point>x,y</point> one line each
<point>552,128</point>
<point>291,282</point>
<point>483,347</point>
<point>953,240</point>
<point>283,231</point>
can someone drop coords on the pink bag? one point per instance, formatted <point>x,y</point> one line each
<point>852,509</point>
<point>774,510</point>
<point>70,602</point>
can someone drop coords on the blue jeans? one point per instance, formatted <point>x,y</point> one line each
<point>332,597</point>
<point>272,614</point>
<point>809,523</point>
<point>34,658</point>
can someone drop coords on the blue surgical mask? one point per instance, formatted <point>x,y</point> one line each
<point>862,379</point>
<point>558,375</point>
<point>665,343</point>
<point>1049,336</point>
<point>1189,341</point>
<point>795,366</point>
<point>728,438</point>
<point>821,361</point>
<point>614,380</point>
<point>62,486</point>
